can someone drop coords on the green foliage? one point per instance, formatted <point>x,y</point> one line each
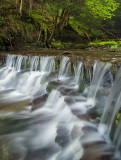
<point>84,17</point>
<point>96,32</point>
<point>114,47</point>
<point>39,43</point>
<point>118,118</point>
<point>104,8</point>
<point>119,42</point>
<point>111,42</point>
<point>2,38</point>
<point>76,25</point>
<point>2,22</point>
<point>102,43</point>
<point>36,15</point>
<point>59,44</point>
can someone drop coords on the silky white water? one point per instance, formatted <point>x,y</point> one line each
<point>47,112</point>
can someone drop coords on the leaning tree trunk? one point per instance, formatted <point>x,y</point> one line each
<point>64,19</point>
<point>53,30</point>
<point>39,38</point>
<point>21,7</point>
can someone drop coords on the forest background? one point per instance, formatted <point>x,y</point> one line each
<point>59,24</point>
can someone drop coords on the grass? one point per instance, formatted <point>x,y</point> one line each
<point>102,43</point>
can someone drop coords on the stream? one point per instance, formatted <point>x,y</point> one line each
<point>59,108</point>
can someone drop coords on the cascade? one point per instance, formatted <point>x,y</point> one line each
<point>113,103</point>
<point>99,72</point>
<point>20,62</point>
<point>10,62</point>
<point>65,68</point>
<point>112,107</point>
<point>34,61</point>
<point>88,74</point>
<point>47,64</point>
<point>41,121</point>
<point>77,72</point>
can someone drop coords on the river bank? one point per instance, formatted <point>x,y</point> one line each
<point>109,45</point>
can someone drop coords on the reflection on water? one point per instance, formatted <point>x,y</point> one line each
<point>51,113</point>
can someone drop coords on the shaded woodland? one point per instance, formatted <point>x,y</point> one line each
<point>58,23</point>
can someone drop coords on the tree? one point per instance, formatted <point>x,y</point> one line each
<point>30,6</point>
<point>21,7</point>
<point>41,29</point>
<point>81,12</point>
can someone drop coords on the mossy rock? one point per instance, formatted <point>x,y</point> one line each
<point>57,44</point>
<point>79,46</point>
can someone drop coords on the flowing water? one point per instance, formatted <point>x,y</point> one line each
<point>51,109</point>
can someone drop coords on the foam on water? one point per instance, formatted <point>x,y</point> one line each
<point>60,125</point>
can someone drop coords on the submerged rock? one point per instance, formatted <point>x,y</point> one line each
<point>13,101</point>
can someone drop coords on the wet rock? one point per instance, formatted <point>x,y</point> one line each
<point>11,100</point>
<point>69,100</point>
<point>66,53</point>
<point>93,142</point>
<point>39,101</point>
<point>62,138</point>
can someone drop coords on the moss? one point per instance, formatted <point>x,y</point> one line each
<point>102,43</point>
<point>59,44</point>
<point>79,46</point>
<point>114,47</point>
<point>27,46</point>
<point>119,42</point>
<point>48,89</point>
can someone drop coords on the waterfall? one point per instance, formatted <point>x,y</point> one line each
<point>99,72</point>
<point>117,141</point>
<point>34,61</point>
<point>77,72</point>
<point>94,66</point>
<point>88,74</point>
<point>47,64</point>
<point>29,81</point>
<point>65,68</point>
<point>44,116</point>
<point>112,107</point>
<point>112,104</point>
<point>10,62</point>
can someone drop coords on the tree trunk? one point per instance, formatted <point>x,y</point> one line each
<point>64,19</point>
<point>39,38</point>
<point>62,13</point>
<point>30,6</point>
<point>21,7</point>
<point>87,35</point>
<point>53,30</point>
